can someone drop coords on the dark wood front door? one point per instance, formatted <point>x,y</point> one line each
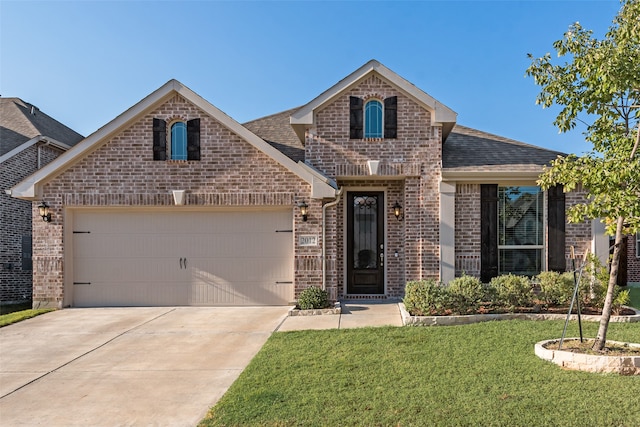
<point>365,242</point>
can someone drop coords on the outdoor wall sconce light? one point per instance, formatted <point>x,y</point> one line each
<point>303,209</point>
<point>397,211</point>
<point>43,209</point>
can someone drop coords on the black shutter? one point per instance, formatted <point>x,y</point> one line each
<point>556,219</point>
<point>488,232</point>
<point>391,117</point>
<point>159,139</point>
<point>355,117</point>
<point>193,139</point>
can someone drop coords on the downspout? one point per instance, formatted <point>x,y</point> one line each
<point>324,237</point>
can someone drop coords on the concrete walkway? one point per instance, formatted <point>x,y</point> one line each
<point>355,314</point>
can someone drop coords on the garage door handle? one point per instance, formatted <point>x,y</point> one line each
<point>181,260</point>
<point>185,262</point>
<point>284,283</point>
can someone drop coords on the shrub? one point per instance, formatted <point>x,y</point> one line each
<point>555,288</point>
<point>426,298</point>
<point>466,294</point>
<point>512,291</point>
<point>313,297</point>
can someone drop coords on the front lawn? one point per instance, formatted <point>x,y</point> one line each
<point>482,374</point>
<point>18,316</point>
<point>634,293</point>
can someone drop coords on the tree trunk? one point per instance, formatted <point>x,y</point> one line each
<point>601,339</point>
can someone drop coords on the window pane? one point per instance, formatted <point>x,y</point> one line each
<point>520,230</point>
<point>179,141</point>
<point>520,216</point>
<point>522,262</point>
<point>373,119</point>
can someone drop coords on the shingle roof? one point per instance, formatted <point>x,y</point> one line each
<point>466,149</point>
<point>276,130</point>
<point>18,125</point>
<point>471,150</point>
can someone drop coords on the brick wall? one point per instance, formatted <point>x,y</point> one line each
<point>15,217</point>
<point>122,172</point>
<point>467,229</point>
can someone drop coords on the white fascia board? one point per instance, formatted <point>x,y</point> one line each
<point>442,113</point>
<point>40,138</point>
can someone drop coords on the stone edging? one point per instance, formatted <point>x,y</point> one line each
<point>337,309</point>
<point>623,365</point>
<point>408,319</point>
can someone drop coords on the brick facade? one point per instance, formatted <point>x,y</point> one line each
<point>122,173</point>
<point>16,278</point>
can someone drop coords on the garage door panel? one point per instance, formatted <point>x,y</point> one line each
<point>183,258</point>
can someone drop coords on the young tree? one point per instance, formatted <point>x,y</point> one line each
<point>599,79</point>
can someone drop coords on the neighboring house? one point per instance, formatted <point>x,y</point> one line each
<point>29,139</point>
<point>633,258</point>
<point>368,186</point>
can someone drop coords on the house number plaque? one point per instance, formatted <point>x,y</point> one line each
<point>308,240</point>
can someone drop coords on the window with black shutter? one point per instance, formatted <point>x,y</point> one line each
<point>373,118</point>
<point>183,142</point>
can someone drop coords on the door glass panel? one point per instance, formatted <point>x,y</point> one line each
<point>365,232</point>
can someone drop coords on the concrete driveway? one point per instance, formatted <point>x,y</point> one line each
<point>126,366</point>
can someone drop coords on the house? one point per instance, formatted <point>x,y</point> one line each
<point>29,139</point>
<point>371,184</point>
<point>633,258</point>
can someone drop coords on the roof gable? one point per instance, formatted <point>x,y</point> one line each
<point>30,188</point>
<point>441,114</point>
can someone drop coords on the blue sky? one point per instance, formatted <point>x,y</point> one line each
<point>85,62</point>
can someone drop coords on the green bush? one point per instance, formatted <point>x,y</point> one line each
<point>555,288</point>
<point>512,291</point>
<point>466,294</point>
<point>426,298</point>
<point>313,298</point>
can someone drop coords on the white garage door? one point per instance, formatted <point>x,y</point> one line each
<point>157,258</point>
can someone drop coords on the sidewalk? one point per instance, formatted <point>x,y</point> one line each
<point>355,314</point>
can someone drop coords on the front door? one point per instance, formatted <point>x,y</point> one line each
<point>365,242</point>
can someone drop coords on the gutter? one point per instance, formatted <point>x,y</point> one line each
<point>324,236</point>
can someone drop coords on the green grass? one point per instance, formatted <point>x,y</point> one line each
<point>18,316</point>
<point>634,293</point>
<point>483,374</point>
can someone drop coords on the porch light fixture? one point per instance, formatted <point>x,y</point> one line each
<point>398,212</point>
<point>303,209</point>
<point>43,209</point>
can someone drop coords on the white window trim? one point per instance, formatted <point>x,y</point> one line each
<point>364,119</point>
<point>545,225</point>
<point>638,244</point>
<point>170,139</point>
